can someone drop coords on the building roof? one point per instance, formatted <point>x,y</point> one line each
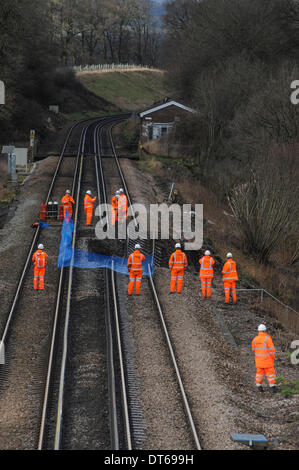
<point>165,105</point>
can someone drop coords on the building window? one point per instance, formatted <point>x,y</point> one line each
<point>150,132</point>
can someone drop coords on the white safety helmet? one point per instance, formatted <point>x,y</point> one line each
<point>229,255</point>
<point>121,190</point>
<point>207,252</point>
<point>40,246</point>
<point>68,191</point>
<point>178,245</point>
<point>117,192</point>
<point>262,327</point>
<point>88,192</point>
<point>137,247</point>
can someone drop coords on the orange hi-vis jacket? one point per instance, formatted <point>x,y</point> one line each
<point>88,203</point>
<point>206,266</point>
<point>114,203</point>
<point>264,350</point>
<point>40,259</point>
<point>67,202</point>
<point>178,260</point>
<point>122,207</point>
<point>229,271</point>
<point>135,261</point>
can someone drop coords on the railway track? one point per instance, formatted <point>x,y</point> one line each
<point>75,401</point>
<point>148,248</point>
<point>77,353</point>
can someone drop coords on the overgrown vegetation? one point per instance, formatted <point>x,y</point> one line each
<point>38,38</point>
<point>266,209</point>
<point>234,61</point>
<point>288,388</point>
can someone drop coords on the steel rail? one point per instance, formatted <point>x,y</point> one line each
<point>36,236</point>
<point>59,415</point>
<point>81,145</point>
<point>162,318</point>
<point>33,243</point>
<point>114,428</point>
<point>114,434</point>
<point>174,361</point>
<point>55,324</point>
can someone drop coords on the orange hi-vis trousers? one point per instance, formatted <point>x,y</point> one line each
<point>38,279</point>
<point>270,374</point>
<point>135,278</point>
<point>230,286</point>
<point>206,286</point>
<point>88,207</point>
<point>88,212</point>
<point>69,209</point>
<point>176,280</point>
<point>114,217</point>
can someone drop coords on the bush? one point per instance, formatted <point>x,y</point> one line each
<point>266,207</point>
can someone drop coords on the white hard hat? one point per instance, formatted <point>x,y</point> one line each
<point>229,255</point>
<point>121,190</point>
<point>68,191</point>
<point>137,247</point>
<point>40,246</point>
<point>117,192</point>
<point>207,252</point>
<point>178,245</point>
<point>88,192</point>
<point>262,327</point>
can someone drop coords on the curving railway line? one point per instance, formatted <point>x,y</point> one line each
<point>83,383</point>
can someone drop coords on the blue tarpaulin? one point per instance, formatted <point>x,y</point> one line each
<point>65,249</point>
<point>88,260</point>
<point>43,225</point>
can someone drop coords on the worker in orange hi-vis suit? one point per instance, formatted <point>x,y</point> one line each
<point>122,206</point>
<point>264,350</point>
<point>230,277</point>
<point>206,274</point>
<point>67,202</point>
<point>177,264</point>
<point>114,203</point>
<point>40,262</point>
<point>88,206</point>
<point>134,266</point>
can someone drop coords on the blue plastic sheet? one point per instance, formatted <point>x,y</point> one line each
<point>88,260</point>
<point>43,225</point>
<point>65,248</point>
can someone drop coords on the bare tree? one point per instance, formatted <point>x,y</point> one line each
<point>266,207</point>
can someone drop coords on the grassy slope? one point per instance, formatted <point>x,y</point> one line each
<point>129,90</point>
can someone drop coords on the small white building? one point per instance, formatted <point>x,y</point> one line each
<point>159,120</point>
